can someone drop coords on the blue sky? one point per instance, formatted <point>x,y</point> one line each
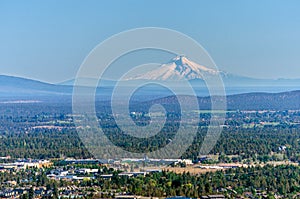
<point>48,40</point>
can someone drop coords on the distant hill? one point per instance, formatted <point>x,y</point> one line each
<point>247,101</point>
<point>17,86</point>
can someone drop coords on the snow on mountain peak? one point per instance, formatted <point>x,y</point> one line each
<point>178,68</point>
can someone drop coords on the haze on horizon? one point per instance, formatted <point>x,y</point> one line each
<point>49,40</point>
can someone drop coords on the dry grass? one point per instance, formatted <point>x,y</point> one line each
<point>195,169</point>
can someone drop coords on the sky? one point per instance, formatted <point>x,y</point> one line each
<point>48,40</point>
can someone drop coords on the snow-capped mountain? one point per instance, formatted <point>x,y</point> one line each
<point>178,68</point>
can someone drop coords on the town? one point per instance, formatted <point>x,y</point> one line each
<point>94,178</point>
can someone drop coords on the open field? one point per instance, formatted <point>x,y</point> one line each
<point>204,168</point>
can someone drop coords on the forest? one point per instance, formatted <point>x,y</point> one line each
<point>48,131</point>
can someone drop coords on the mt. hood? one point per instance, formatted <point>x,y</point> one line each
<point>178,68</point>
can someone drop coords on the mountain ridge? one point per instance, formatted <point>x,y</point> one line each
<point>281,101</point>
<point>25,89</point>
<point>233,84</point>
<point>181,67</point>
